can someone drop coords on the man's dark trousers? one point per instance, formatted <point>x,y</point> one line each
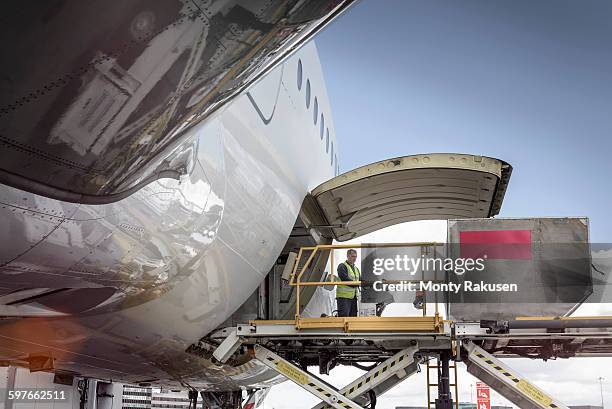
<point>347,307</point>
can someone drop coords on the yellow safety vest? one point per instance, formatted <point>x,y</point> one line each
<point>344,291</point>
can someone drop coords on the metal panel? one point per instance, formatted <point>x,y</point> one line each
<point>418,187</point>
<point>551,267</point>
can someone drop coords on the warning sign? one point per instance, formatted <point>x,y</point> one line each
<point>534,393</point>
<point>483,396</point>
<point>292,373</point>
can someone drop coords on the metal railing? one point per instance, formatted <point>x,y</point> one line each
<point>296,276</point>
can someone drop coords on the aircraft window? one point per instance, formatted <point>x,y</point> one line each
<point>322,126</point>
<point>299,75</point>
<point>307,93</point>
<point>327,142</point>
<point>332,154</point>
<point>316,111</point>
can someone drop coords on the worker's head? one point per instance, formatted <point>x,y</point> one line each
<point>351,255</point>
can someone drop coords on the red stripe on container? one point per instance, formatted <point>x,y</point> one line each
<point>496,244</point>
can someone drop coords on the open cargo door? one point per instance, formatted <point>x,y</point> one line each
<point>417,187</point>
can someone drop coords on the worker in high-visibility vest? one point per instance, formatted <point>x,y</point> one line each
<point>346,295</point>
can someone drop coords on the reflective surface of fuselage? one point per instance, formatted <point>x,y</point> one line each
<point>120,290</point>
<point>95,99</point>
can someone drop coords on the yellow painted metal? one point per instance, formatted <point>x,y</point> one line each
<point>392,324</point>
<point>321,323</point>
<point>371,324</point>
<point>299,277</point>
<point>375,245</point>
<point>319,283</point>
<point>296,277</point>
<point>363,324</point>
<point>431,385</point>
<point>295,266</point>
<point>331,263</point>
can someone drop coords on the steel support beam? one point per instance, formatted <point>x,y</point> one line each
<point>506,381</point>
<point>308,381</point>
<point>382,378</point>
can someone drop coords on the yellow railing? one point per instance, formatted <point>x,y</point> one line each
<point>296,278</point>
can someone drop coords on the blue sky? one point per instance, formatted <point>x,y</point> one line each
<point>526,82</point>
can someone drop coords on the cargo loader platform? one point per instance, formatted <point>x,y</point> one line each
<point>391,349</point>
<point>291,346</point>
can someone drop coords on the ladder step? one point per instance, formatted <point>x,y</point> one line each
<point>431,404</point>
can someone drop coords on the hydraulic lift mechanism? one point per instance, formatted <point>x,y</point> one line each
<point>290,349</point>
<point>381,378</point>
<point>395,346</point>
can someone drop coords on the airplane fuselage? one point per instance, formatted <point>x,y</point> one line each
<point>121,290</point>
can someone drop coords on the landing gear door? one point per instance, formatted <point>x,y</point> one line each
<point>409,188</point>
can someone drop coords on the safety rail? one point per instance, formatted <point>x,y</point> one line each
<point>296,281</point>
